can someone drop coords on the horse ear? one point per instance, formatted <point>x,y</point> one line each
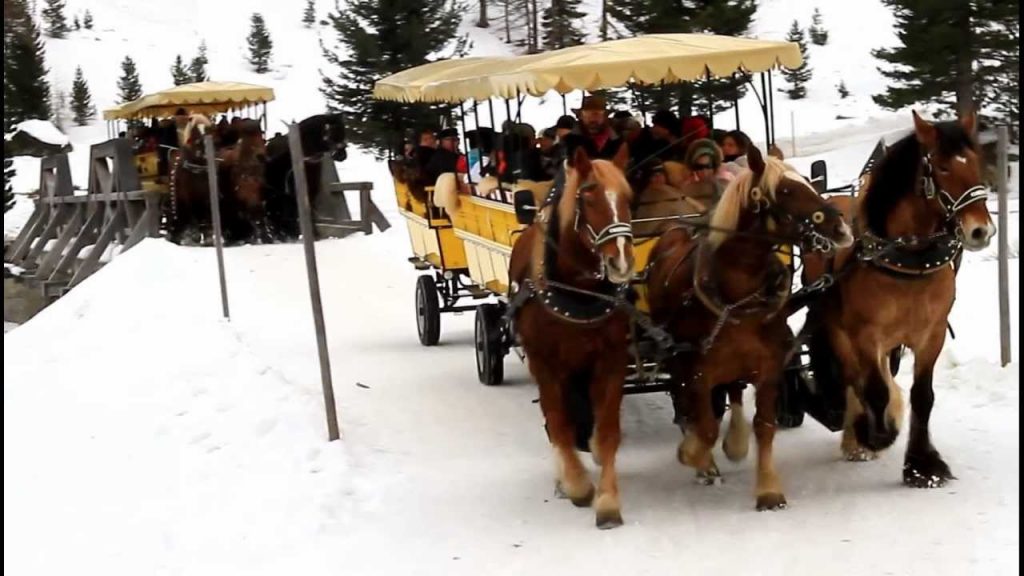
<point>755,161</point>
<point>581,161</point>
<point>924,130</point>
<point>621,158</point>
<point>968,122</point>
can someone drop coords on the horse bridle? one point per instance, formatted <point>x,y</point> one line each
<point>607,234</point>
<point>931,189</point>
<point>806,231</point>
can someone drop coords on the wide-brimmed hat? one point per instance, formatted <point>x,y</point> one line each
<point>592,102</point>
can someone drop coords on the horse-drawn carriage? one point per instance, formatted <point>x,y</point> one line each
<point>699,307</point>
<point>254,172</point>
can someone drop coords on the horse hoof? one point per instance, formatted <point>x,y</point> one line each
<point>708,477</point>
<point>607,519</point>
<point>586,500</point>
<point>859,454</point>
<point>928,471</point>
<point>771,501</point>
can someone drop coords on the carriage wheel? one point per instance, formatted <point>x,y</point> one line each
<point>895,355</point>
<point>428,312</point>
<point>490,354</point>
<point>789,411</point>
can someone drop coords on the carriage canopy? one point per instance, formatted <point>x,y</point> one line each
<point>616,63</point>
<point>199,97</point>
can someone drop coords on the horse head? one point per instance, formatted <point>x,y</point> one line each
<point>324,134</point>
<point>772,194</point>
<point>595,205</point>
<point>952,175</point>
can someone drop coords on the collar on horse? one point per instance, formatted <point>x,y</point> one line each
<point>916,256</point>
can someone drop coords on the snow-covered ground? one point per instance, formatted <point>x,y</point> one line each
<point>145,435</point>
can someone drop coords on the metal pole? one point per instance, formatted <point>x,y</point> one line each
<point>792,133</point>
<point>711,99</point>
<point>465,136</point>
<point>490,105</point>
<point>211,172</point>
<point>1004,248</point>
<point>771,104</point>
<point>764,111</point>
<point>508,111</point>
<point>564,109</point>
<point>306,224</point>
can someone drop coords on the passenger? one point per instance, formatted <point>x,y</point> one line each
<point>734,145</point>
<point>447,157</point>
<point>694,128</point>
<point>563,127</point>
<point>548,153</point>
<point>594,131</point>
<point>704,159</point>
<point>658,142</point>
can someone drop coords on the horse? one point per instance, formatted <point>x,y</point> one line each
<point>923,203</point>
<point>245,164</point>
<point>568,271</point>
<point>723,298</point>
<point>190,186</point>
<point>321,135</point>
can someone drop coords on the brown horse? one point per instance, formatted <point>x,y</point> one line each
<point>190,187</point>
<point>568,271</point>
<point>724,294</point>
<point>922,204</point>
<point>245,164</point>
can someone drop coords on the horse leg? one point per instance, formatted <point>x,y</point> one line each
<point>737,438</point>
<point>606,393</point>
<point>853,376</point>
<point>922,466</point>
<point>571,477</point>
<point>769,488</point>
<point>701,435</point>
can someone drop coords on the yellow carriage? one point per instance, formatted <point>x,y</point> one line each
<point>469,251</point>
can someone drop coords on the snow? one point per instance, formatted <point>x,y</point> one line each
<point>41,130</point>
<point>15,218</point>
<point>147,435</point>
<point>143,434</point>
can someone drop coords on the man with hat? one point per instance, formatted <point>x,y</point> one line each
<point>657,142</point>
<point>447,157</point>
<point>594,132</point>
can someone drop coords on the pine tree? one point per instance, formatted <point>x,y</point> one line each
<point>87,20</point>
<point>197,68</point>
<point>798,77</point>
<point>309,14</point>
<point>129,87</point>
<point>260,45</point>
<point>53,15</point>
<point>946,48</point>
<point>26,91</point>
<point>59,110</point>
<point>561,24</point>
<point>76,23</point>
<point>818,34</point>
<point>81,100</point>
<point>380,38</point>
<point>843,91</point>
<point>178,72</point>
<point>9,174</point>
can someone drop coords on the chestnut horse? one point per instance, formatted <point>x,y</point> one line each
<point>923,203</point>
<point>190,185</point>
<point>245,164</point>
<point>724,295</point>
<point>569,271</point>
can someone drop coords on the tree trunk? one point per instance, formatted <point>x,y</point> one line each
<point>508,26</point>
<point>964,66</point>
<point>534,28</point>
<point>482,22</point>
<point>604,20</point>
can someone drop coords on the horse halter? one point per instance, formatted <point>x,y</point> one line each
<point>931,189</point>
<point>607,234</point>
<point>806,230</point>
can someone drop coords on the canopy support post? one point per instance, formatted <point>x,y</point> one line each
<point>465,136</point>
<point>771,105</point>
<point>764,112</point>
<point>490,105</point>
<point>564,109</point>
<point>711,98</point>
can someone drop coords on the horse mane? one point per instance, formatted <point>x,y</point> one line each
<point>895,176</point>
<point>195,121</point>
<point>603,171</point>
<point>726,215</point>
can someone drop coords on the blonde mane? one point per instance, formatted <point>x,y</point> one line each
<point>199,121</point>
<point>605,172</point>
<point>737,197</point>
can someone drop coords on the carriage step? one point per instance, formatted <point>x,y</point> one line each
<point>477,292</point>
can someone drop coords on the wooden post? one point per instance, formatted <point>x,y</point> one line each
<point>306,224</point>
<point>218,239</point>
<point>792,133</point>
<point>1004,245</point>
